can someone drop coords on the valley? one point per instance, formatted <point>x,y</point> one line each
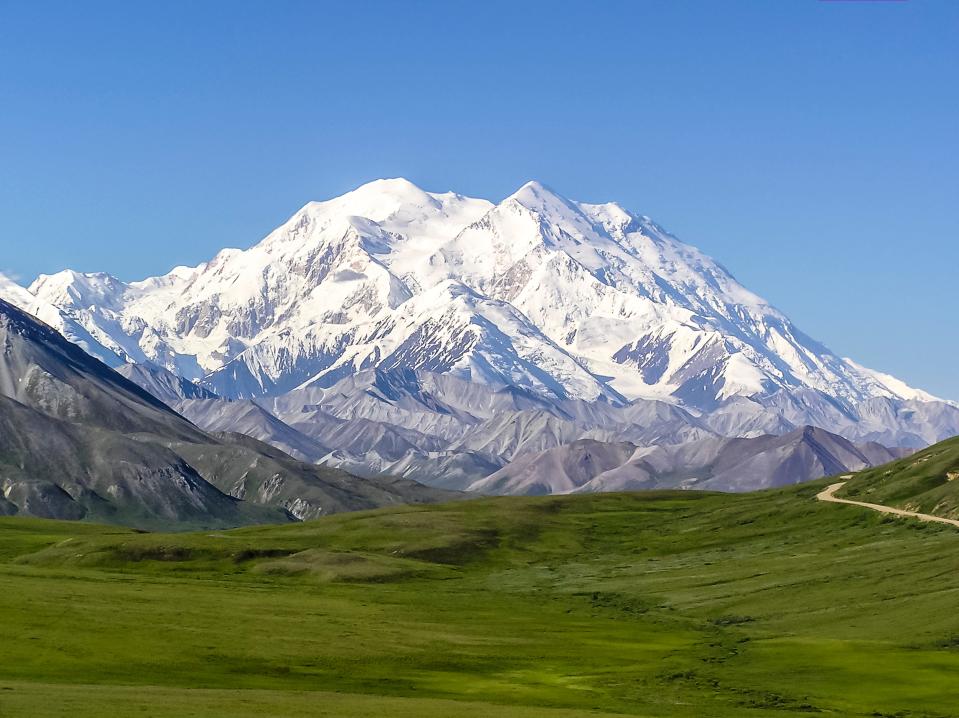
<point>649,604</point>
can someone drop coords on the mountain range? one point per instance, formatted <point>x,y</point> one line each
<point>440,337</point>
<point>711,464</point>
<point>79,441</point>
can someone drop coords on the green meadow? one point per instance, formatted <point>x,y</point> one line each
<point>925,481</point>
<point>647,604</point>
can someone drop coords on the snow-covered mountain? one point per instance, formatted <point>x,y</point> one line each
<point>465,344</point>
<point>59,319</point>
<point>566,299</point>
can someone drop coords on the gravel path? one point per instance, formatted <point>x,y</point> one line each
<point>828,495</point>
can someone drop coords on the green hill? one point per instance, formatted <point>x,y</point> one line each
<point>927,481</point>
<point>654,604</point>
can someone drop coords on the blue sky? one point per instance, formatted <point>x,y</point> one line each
<point>812,147</point>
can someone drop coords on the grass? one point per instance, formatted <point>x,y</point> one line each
<point>654,604</point>
<point>925,481</point>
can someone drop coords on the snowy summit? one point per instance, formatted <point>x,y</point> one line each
<point>588,301</point>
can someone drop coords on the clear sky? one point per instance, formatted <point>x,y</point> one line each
<point>811,146</point>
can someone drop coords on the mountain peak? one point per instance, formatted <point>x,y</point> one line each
<point>398,205</point>
<point>549,206</point>
<point>89,287</point>
<point>535,195</point>
<point>15,293</point>
<point>397,189</point>
<point>534,186</point>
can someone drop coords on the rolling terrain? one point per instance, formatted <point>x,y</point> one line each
<point>924,482</point>
<point>829,495</point>
<point>649,604</point>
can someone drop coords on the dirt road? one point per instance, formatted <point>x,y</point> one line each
<point>828,495</point>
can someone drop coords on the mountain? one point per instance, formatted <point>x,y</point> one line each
<point>534,451</point>
<point>60,320</point>
<point>913,423</point>
<point>79,440</point>
<point>364,447</point>
<point>163,384</point>
<point>718,464</point>
<point>561,298</point>
<point>413,332</point>
<point>448,432</point>
<point>42,371</point>
<point>249,419</point>
<point>560,470</point>
<point>61,469</point>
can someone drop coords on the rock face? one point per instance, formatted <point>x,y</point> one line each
<point>249,419</point>
<point>78,440</point>
<point>163,384</point>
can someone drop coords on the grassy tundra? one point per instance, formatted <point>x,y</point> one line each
<point>650,604</point>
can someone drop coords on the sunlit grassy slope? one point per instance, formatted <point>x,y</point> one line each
<point>927,481</point>
<point>657,604</point>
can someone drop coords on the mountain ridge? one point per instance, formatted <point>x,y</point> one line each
<point>711,464</point>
